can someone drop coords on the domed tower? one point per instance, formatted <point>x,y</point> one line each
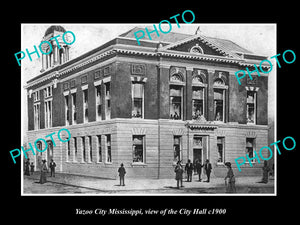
<point>60,51</point>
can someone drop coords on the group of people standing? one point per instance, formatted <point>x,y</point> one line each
<point>197,166</point>
<point>189,168</point>
<point>44,169</point>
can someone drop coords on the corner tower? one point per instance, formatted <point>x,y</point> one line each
<point>60,50</point>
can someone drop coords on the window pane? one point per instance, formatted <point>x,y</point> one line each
<point>218,110</point>
<point>177,148</point>
<point>138,148</point>
<point>137,90</point>
<point>175,91</point>
<point>197,109</point>
<point>197,93</point>
<point>218,94</point>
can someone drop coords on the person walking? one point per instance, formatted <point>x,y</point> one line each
<point>198,167</point>
<point>27,164</point>
<point>266,170</point>
<point>230,184</point>
<point>43,172</point>
<point>208,169</point>
<point>32,168</point>
<point>178,171</point>
<point>189,169</point>
<point>122,173</point>
<point>52,168</point>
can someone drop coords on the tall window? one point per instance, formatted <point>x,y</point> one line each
<point>137,100</point>
<point>250,147</point>
<point>74,121</point>
<point>75,149</point>
<point>67,119</point>
<point>36,96</point>
<point>175,102</point>
<point>138,148</point>
<point>68,151</point>
<point>107,100</point>
<point>85,106</point>
<point>99,149</point>
<point>220,149</point>
<point>219,100</point>
<point>108,148</point>
<point>251,107</point>
<point>48,91</point>
<point>177,148</point>
<point>48,113</point>
<point>36,114</point>
<point>219,104</point>
<point>83,149</point>
<point>90,149</point>
<point>198,102</point>
<point>98,103</point>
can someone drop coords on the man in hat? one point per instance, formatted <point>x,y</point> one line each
<point>208,169</point>
<point>52,168</point>
<point>189,169</point>
<point>122,172</point>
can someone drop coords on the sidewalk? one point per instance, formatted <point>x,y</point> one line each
<point>216,185</point>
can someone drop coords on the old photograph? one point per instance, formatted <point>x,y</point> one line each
<point>145,109</point>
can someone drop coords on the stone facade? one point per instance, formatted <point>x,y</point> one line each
<point>97,91</point>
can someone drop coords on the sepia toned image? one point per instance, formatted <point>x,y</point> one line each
<point>105,115</point>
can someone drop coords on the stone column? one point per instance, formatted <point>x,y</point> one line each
<point>188,101</point>
<point>210,95</point>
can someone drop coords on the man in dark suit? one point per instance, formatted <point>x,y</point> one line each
<point>189,169</point>
<point>122,172</point>
<point>52,168</point>
<point>198,167</point>
<point>208,169</point>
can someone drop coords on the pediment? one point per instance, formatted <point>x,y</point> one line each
<point>199,44</point>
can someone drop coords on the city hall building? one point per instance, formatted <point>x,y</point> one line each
<point>172,98</point>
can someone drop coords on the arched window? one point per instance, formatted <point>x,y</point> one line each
<point>176,78</point>
<point>219,82</point>
<point>196,49</point>
<point>197,80</point>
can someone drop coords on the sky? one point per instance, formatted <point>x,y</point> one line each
<point>258,38</point>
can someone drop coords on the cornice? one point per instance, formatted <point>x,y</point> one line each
<point>159,53</point>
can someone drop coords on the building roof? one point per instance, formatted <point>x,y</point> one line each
<point>174,37</point>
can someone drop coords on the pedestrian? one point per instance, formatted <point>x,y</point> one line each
<point>208,169</point>
<point>266,170</point>
<point>122,172</point>
<point>230,184</point>
<point>178,171</point>
<point>27,164</point>
<point>52,168</point>
<point>31,168</point>
<point>198,167</point>
<point>189,169</point>
<point>43,172</point>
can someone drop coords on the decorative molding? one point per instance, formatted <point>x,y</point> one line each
<point>200,125</point>
<point>138,131</point>
<point>220,133</point>
<point>178,132</point>
<point>138,79</point>
<point>84,79</point>
<point>138,69</point>
<point>250,134</point>
<point>251,88</point>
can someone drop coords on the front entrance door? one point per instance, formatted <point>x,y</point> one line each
<point>197,155</point>
<point>200,148</point>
